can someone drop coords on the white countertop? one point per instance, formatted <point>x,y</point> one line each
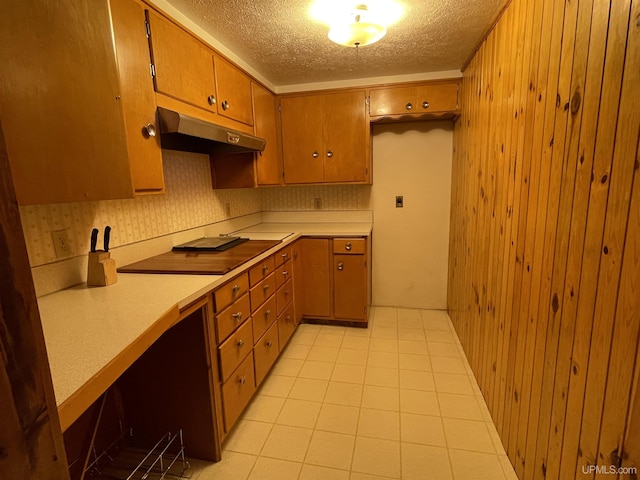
<point>85,328</point>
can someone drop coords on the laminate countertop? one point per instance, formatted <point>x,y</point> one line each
<point>86,329</point>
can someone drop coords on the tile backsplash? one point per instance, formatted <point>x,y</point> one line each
<point>189,202</point>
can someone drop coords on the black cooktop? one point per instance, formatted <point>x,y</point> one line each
<point>209,244</point>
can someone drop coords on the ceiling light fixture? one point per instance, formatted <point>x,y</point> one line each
<point>356,23</point>
<point>358,30</point>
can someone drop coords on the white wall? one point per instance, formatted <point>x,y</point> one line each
<point>410,244</point>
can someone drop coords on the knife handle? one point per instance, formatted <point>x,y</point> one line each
<point>107,237</point>
<point>94,239</point>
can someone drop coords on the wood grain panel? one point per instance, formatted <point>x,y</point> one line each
<point>544,231</point>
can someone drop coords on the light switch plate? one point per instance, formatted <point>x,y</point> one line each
<point>61,243</point>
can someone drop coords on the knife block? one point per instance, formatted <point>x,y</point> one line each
<point>101,269</point>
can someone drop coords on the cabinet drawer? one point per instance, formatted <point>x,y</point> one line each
<point>284,295</point>
<point>261,271</point>
<point>263,318</point>
<point>265,353</point>
<point>283,273</point>
<point>231,291</point>
<point>237,391</point>
<point>234,349</point>
<point>228,320</point>
<point>262,291</point>
<point>348,245</point>
<point>437,98</point>
<point>282,256</point>
<point>286,326</point>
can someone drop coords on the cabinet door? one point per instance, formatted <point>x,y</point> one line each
<point>298,288</point>
<point>441,97</point>
<point>302,139</point>
<point>234,91</point>
<point>316,280</point>
<point>60,102</point>
<point>269,162</point>
<point>138,97</point>
<point>393,101</point>
<point>183,65</point>
<point>349,292</point>
<point>345,137</point>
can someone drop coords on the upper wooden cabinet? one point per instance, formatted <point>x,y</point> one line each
<point>65,106</point>
<point>414,99</point>
<point>325,138</point>
<point>183,66</point>
<point>268,162</point>
<point>233,87</point>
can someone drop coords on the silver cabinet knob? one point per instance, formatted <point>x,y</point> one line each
<point>267,313</point>
<point>285,256</point>
<point>264,269</point>
<point>409,106</point>
<point>240,343</point>
<point>269,344</point>
<point>347,246</point>
<point>225,105</point>
<point>237,316</point>
<point>150,130</point>
<point>242,380</point>
<point>236,288</point>
<point>340,266</point>
<point>315,154</point>
<point>211,99</point>
<point>329,154</point>
<point>425,104</point>
<point>285,273</point>
<point>265,287</point>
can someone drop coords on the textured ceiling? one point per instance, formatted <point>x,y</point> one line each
<point>278,39</point>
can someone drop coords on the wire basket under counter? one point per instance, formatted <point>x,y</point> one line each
<point>165,460</point>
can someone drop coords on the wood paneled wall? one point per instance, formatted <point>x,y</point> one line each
<point>544,262</point>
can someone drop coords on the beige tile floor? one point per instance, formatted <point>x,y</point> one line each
<point>394,401</point>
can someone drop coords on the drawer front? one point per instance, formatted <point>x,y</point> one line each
<point>393,101</point>
<point>231,318</point>
<point>283,273</point>
<point>237,391</point>
<point>263,318</point>
<point>262,291</point>
<point>438,98</point>
<point>286,326</point>
<point>231,291</point>
<point>282,256</point>
<point>235,349</point>
<point>265,353</point>
<point>349,245</point>
<point>261,271</point>
<point>284,295</point>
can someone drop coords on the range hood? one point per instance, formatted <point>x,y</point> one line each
<point>188,134</point>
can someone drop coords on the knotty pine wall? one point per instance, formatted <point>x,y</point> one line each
<point>544,263</point>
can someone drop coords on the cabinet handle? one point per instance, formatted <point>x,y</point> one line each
<point>267,313</point>
<point>409,106</point>
<point>265,287</point>
<point>329,154</point>
<point>285,256</point>
<point>240,343</point>
<point>236,287</point>
<point>315,154</point>
<point>264,269</point>
<point>149,130</point>
<point>286,293</point>
<point>242,380</point>
<point>285,273</point>
<point>225,105</point>
<point>295,255</point>
<point>237,316</point>
<point>347,246</point>
<point>425,104</point>
<point>269,344</point>
<point>211,99</point>
<point>340,266</point>
<point>288,319</point>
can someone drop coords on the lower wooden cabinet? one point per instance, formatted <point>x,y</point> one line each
<point>237,391</point>
<point>334,284</point>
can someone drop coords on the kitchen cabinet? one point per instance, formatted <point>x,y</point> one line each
<point>414,100</point>
<point>79,132</point>
<point>335,280</point>
<point>269,161</point>
<point>325,138</point>
<point>233,88</point>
